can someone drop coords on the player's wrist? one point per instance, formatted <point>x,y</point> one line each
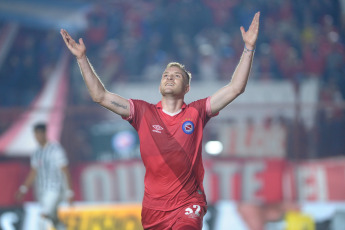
<point>23,189</point>
<point>249,48</point>
<point>81,57</point>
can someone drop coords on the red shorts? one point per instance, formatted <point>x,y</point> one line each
<point>189,216</point>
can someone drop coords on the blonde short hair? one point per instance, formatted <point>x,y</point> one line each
<point>182,67</point>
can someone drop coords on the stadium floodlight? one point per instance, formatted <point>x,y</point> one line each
<point>214,147</point>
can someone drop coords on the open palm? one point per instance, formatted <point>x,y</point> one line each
<point>77,49</point>
<point>251,35</point>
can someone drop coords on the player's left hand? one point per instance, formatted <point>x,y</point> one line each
<point>77,49</point>
<point>251,35</point>
<point>70,201</point>
<point>19,196</point>
<point>70,196</point>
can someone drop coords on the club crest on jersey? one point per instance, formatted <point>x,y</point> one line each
<point>157,128</point>
<point>188,127</point>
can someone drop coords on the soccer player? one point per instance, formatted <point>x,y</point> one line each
<point>170,134</point>
<point>51,175</point>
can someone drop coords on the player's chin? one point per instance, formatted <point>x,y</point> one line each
<point>166,90</point>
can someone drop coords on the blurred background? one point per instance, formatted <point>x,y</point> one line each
<point>274,158</point>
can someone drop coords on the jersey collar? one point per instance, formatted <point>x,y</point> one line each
<point>159,105</point>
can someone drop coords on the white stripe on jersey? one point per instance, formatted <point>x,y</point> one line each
<point>48,162</point>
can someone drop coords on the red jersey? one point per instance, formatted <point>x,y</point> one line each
<point>170,148</point>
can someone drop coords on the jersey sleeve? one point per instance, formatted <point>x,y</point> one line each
<point>131,111</point>
<point>203,106</point>
<point>33,161</point>
<point>208,108</point>
<point>137,109</point>
<point>60,156</point>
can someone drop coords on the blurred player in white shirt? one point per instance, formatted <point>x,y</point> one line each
<point>49,170</point>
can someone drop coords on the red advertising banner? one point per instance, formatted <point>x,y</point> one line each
<point>246,180</point>
<point>252,180</point>
<point>319,180</point>
<point>249,180</point>
<point>12,175</point>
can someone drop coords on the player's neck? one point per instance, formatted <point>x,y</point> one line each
<point>43,143</point>
<point>171,104</point>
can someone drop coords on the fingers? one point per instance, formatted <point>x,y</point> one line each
<point>242,31</point>
<point>255,21</point>
<point>254,26</point>
<point>81,42</point>
<point>19,197</point>
<point>67,38</point>
<point>256,17</point>
<point>64,36</point>
<point>250,36</point>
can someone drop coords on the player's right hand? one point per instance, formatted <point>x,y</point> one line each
<point>77,49</point>
<point>19,196</point>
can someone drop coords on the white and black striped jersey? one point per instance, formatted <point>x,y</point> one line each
<point>48,161</point>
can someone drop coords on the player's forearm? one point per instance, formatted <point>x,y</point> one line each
<point>68,177</point>
<point>30,179</point>
<point>237,85</point>
<point>240,77</point>
<point>92,81</point>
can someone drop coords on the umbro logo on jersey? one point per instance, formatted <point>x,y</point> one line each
<point>188,127</point>
<point>157,128</point>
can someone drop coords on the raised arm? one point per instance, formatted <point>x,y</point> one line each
<point>98,92</point>
<point>239,79</point>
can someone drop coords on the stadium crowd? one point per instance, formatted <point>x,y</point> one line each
<point>131,41</point>
<point>299,39</point>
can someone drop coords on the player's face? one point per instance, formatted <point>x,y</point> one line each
<point>174,82</point>
<point>40,137</point>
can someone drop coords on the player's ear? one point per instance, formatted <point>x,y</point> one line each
<point>187,88</point>
<point>159,89</point>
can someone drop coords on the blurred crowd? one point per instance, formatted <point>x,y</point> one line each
<point>298,39</point>
<point>27,66</point>
<point>132,41</point>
